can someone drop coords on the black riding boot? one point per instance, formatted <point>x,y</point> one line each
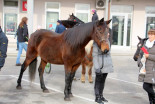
<point>102,84</point>
<point>98,100</point>
<point>103,99</point>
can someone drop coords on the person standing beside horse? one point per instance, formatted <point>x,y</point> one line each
<point>149,79</point>
<point>22,38</point>
<point>95,16</point>
<point>3,47</point>
<point>103,65</point>
<point>60,28</point>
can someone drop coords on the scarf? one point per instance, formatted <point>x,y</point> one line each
<point>149,44</point>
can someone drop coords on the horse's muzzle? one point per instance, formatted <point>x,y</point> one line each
<point>106,51</point>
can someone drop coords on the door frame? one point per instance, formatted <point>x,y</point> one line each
<point>125,27</point>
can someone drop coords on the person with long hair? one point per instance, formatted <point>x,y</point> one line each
<point>22,38</point>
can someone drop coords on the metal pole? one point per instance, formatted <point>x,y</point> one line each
<point>30,7</point>
<point>109,7</point>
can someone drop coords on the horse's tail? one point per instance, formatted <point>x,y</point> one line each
<point>32,69</point>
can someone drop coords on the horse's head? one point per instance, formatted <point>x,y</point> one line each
<point>72,17</point>
<point>100,36</point>
<point>139,46</point>
<point>68,23</point>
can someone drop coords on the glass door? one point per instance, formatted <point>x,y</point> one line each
<point>10,23</point>
<point>51,20</point>
<point>150,23</point>
<point>121,29</point>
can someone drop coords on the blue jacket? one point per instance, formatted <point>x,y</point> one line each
<point>60,28</point>
<point>3,48</point>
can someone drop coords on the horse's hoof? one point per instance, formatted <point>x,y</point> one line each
<point>83,81</point>
<point>18,87</point>
<point>46,91</point>
<point>71,95</point>
<point>90,81</point>
<point>67,99</point>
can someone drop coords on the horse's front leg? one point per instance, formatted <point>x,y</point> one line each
<point>41,72</point>
<point>67,83</point>
<point>73,71</point>
<point>70,84</point>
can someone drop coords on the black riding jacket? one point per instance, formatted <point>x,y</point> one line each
<point>3,48</point>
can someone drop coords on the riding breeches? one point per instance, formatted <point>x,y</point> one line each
<point>99,83</point>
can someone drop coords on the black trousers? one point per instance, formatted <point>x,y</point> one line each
<point>99,84</point>
<point>149,89</point>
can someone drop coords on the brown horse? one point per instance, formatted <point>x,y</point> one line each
<point>67,48</point>
<point>87,62</point>
<point>88,59</point>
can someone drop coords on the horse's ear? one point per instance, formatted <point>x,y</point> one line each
<point>139,38</point>
<point>102,20</point>
<point>107,22</point>
<point>145,39</point>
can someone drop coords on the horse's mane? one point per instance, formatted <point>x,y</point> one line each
<point>78,19</point>
<point>77,35</point>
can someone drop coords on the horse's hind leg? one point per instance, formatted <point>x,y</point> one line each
<point>23,68</point>
<point>90,74</point>
<point>41,72</point>
<point>83,72</point>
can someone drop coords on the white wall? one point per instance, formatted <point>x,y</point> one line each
<point>138,20</point>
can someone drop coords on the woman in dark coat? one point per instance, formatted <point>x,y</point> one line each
<point>3,47</point>
<point>22,38</point>
<point>149,79</point>
<point>95,16</point>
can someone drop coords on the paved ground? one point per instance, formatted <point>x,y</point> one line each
<point>121,87</point>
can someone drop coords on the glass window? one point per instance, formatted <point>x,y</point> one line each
<point>11,3</point>
<point>10,23</point>
<point>52,15</point>
<point>150,10</point>
<point>121,24</point>
<point>121,9</point>
<point>83,12</point>
<point>150,18</point>
<point>52,6</point>
<point>51,20</point>
<point>150,24</point>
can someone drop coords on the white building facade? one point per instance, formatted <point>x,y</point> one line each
<point>130,18</point>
